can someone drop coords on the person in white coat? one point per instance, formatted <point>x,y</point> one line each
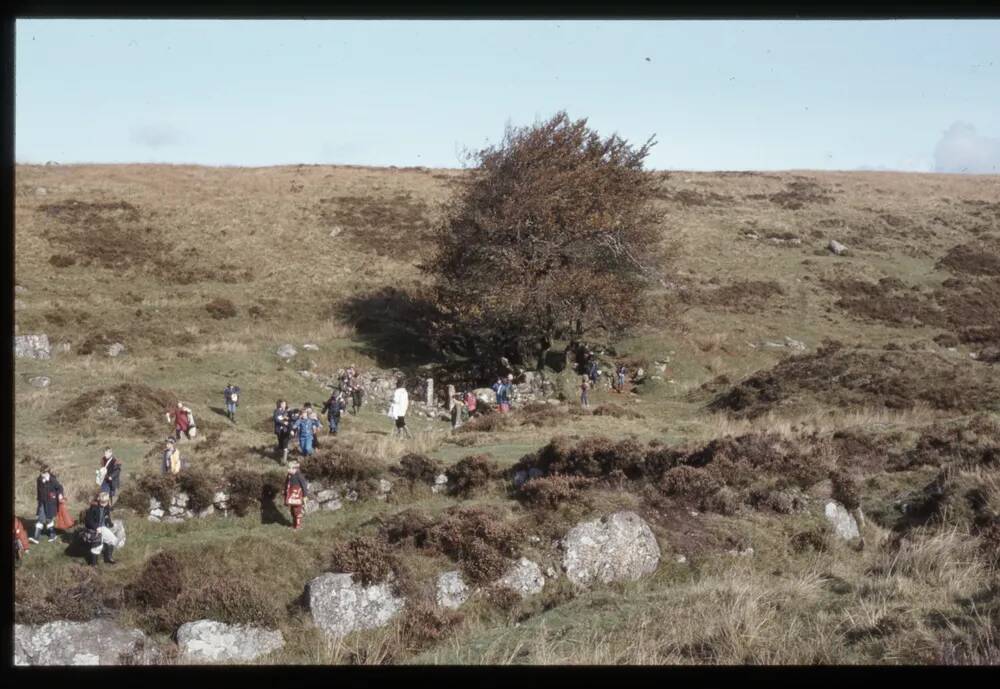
<point>397,410</point>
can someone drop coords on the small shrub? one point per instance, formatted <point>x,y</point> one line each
<point>366,557</point>
<point>616,411</point>
<point>780,501</point>
<point>486,423</point>
<point>503,598</point>
<point>244,490</point>
<point>160,582</point>
<point>76,592</point>
<point>549,491</point>
<point>540,414</point>
<point>409,524</point>
<point>689,481</point>
<point>339,463</point>
<point>724,501</point>
<point>480,540</point>
<point>199,487</point>
<point>62,260</point>
<point>813,539</point>
<point>221,308</point>
<point>425,624</point>
<point>417,467</point>
<point>471,473</point>
<point>846,488</point>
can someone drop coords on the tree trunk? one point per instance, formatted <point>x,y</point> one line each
<point>544,345</point>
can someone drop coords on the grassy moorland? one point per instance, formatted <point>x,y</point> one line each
<point>731,442</point>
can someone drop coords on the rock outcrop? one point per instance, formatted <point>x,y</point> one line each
<point>452,591</point>
<point>97,642</point>
<point>619,547</point>
<point>208,641</point>
<point>32,347</point>
<point>844,525</point>
<point>340,606</point>
<point>525,577</point>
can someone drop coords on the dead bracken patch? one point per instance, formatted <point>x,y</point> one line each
<point>616,411</point>
<point>799,193</point>
<point>854,378</point>
<point>221,308</point>
<point>396,227</point>
<point>742,296</point>
<point>135,402</point>
<point>975,258</point>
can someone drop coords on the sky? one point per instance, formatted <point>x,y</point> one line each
<point>718,95</point>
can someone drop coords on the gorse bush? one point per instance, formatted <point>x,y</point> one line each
<point>159,583</point>
<point>549,491</point>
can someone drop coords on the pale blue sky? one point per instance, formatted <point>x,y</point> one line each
<point>717,94</point>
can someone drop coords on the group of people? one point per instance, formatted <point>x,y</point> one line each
<point>589,380</point>
<point>51,513</point>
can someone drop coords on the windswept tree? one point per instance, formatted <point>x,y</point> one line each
<point>552,236</point>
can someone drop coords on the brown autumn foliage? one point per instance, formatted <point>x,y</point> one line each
<point>559,223</point>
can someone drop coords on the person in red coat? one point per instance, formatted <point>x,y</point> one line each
<point>20,540</point>
<point>296,493</point>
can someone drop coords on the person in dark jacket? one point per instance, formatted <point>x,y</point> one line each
<point>98,525</point>
<point>333,408</point>
<point>282,428</point>
<point>48,492</point>
<point>296,494</point>
<point>112,474</point>
<point>231,395</point>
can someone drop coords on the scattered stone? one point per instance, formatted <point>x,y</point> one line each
<point>208,641</point>
<point>154,504</point>
<point>384,486</point>
<point>326,495</point>
<point>207,512</point>
<point>311,506</point>
<point>173,519</point>
<point>332,505</point>
<point>440,483</point>
<point>33,347</point>
<point>180,500</point>
<point>525,577</point>
<point>63,348</point>
<point>116,349</point>
<point>97,642</point>
<point>452,591</point>
<point>152,518</point>
<point>337,229</point>
<point>351,496</point>
<point>680,559</point>
<point>41,191</point>
<point>794,344</point>
<point>119,531</point>
<point>311,347</point>
<point>287,351</point>
<point>220,498</point>
<point>40,381</point>
<point>743,552</point>
<point>837,248</point>
<point>339,606</point>
<point>844,525</point>
<point>619,547</point>
<point>157,514</point>
<point>176,511</point>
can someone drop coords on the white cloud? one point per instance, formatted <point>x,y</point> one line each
<point>155,135</point>
<point>962,149</point>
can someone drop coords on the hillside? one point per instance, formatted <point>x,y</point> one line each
<point>776,374</point>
